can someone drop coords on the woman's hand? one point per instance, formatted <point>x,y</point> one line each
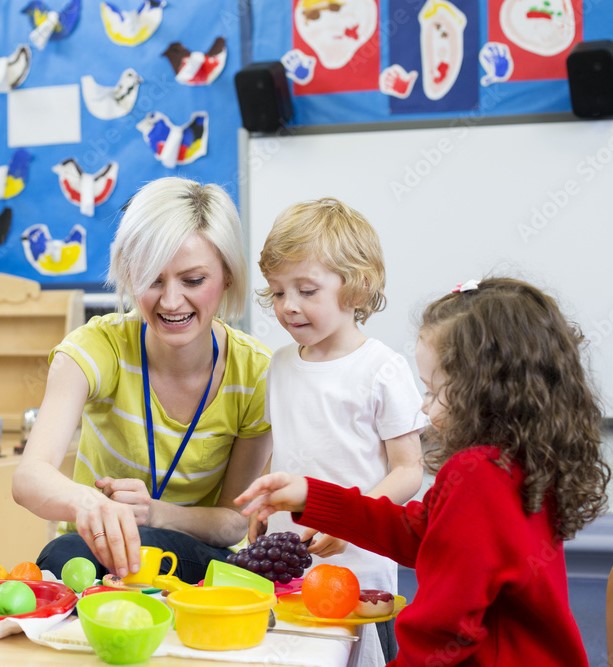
<point>273,493</point>
<point>110,530</point>
<point>131,492</point>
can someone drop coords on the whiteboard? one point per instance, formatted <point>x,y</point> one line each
<point>533,200</point>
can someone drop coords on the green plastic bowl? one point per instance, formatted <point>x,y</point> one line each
<point>121,646</point>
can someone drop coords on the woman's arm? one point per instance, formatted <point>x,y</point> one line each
<point>222,525</point>
<point>39,486</point>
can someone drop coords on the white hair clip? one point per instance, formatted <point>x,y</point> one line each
<point>468,286</point>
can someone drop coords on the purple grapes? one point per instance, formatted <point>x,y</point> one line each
<point>278,557</point>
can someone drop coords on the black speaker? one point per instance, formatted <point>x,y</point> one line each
<point>590,78</point>
<point>263,96</point>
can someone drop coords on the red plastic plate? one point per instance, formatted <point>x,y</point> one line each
<point>51,598</point>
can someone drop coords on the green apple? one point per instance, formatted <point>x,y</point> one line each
<point>16,597</point>
<point>78,573</point>
<point>124,614</point>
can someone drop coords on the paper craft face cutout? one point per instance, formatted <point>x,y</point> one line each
<point>132,27</point>
<point>52,257</point>
<point>109,102</point>
<point>544,27</point>
<point>442,46</point>
<point>86,190</point>
<point>335,30</point>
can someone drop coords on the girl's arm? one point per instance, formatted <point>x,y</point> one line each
<point>39,486</point>
<point>342,512</point>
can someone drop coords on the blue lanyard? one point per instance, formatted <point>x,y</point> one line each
<point>156,492</point>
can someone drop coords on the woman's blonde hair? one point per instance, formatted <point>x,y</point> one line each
<point>329,231</point>
<point>156,222</point>
<point>514,378</point>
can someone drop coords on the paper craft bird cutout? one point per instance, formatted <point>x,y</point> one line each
<point>5,224</point>
<point>132,27</point>
<point>108,102</point>
<point>86,190</point>
<point>15,68</point>
<point>194,68</point>
<point>52,257</point>
<point>51,25</point>
<point>14,176</point>
<point>176,144</point>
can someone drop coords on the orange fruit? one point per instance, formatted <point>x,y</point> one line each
<point>330,591</point>
<point>26,571</point>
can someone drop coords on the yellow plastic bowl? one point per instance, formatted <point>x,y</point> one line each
<point>221,618</point>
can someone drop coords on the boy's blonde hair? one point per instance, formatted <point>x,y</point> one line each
<point>330,232</point>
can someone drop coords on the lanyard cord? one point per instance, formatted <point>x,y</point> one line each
<point>156,493</point>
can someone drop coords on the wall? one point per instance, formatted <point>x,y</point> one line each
<point>450,203</point>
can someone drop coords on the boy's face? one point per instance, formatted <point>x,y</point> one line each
<point>435,399</point>
<point>307,305</point>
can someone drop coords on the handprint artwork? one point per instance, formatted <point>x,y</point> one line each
<point>397,82</point>
<point>497,61</point>
<point>544,27</point>
<point>299,67</point>
<point>442,46</point>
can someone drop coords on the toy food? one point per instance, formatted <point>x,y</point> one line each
<point>26,571</point>
<point>78,573</point>
<point>330,591</point>
<point>114,581</point>
<point>374,602</point>
<point>278,557</point>
<point>16,597</point>
<point>124,614</point>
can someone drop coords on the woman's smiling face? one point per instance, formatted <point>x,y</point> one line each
<point>182,301</point>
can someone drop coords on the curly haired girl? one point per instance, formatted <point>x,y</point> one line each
<point>520,468</point>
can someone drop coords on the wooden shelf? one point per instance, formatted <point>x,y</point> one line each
<point>32,322</point>
<point>29,533</point>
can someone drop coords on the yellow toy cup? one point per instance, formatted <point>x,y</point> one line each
<point>150,562</point>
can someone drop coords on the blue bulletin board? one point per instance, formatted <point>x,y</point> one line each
<point>99,97</point>
<point>93,104</point>
<point>365,61</point>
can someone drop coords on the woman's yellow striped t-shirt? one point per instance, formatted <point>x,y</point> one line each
<point>114,434</point>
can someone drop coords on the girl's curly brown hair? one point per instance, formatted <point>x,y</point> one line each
<point>514,378</point>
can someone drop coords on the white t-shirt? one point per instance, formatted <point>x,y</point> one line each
<point>330,420</point>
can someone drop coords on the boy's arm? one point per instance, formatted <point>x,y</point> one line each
<point>405,469</point>
<point>257,527</point>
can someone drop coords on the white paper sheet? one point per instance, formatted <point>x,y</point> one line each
<point>44,116</point>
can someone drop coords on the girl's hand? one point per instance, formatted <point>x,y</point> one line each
<point>110,531</point>
<point>131,492</point>
<point>273,493</point>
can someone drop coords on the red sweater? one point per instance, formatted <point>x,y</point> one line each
<point>492,586</point>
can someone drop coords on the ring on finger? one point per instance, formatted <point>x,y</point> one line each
<point>100,533</point>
